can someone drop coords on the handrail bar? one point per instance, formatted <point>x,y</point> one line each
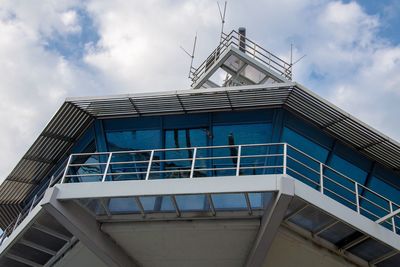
<point>175,149</point>
<point>271,60</point>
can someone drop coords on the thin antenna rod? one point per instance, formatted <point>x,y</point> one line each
<point>291,59</point>
<point>222,15</point>
<point>191,55</point>
<point>291,54</point>
<point>193,50</point>
<point>299,59</point>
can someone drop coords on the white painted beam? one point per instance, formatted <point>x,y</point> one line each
<point>78,221</point>
<point>161,187</point>
<point>273,216</point>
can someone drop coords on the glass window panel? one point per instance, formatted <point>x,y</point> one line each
<point>252,74</point>
<point>304,144</point>
<point>122,205</point>
<point>157,204</point>
<point>134,165</point>
<point>233,63</point>
<point>370,249</point>
<point>350,170</point>
<point>87,167</point>
<point>260,200</point>
<point>311,219</point>
<point>233,135</point>
<point>339,181</point>
<point>133,140</point>
<point>384,189</point>
<point>379,206</point>
<point>229,201</point>
<point>93,205</point>
<point>192,202</point>
<point>179,161</point>
<point>337,233</point>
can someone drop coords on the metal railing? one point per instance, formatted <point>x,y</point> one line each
<point>55,179</point>
<point>234,160</point>
<point>229,160</point>
<point>250,47</point>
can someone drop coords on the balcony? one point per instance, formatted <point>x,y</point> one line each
<point>171,184</point>
<point>235,160</point>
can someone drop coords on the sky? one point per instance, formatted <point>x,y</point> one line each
<point>52,49</point>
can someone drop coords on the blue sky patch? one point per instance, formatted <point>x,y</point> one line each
<point>72,46</point>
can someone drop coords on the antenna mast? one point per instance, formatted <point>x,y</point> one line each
<point>222,15</point>
<point>191,55</point>
<point>291,59</point>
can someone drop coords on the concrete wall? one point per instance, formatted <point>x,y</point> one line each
<point>292,250</point>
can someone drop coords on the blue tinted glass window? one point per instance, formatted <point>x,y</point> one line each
<point>339,181</point>
<point>304,144</point>
<point>135,165</point>
<point>133,140</point>
<point>241,134</point>
<point>385,189</point>
<point>180,159</point>
<point>304,157</point>
<point>88,167</point>
<point>225,158</point>
<point>348,169</point>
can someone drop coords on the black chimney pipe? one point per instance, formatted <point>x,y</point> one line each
<point>242,39</point>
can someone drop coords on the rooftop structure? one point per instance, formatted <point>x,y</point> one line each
<point>250,169</point>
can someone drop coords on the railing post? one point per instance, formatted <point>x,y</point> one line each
<point>107,167</point>
<point>3,236</point>
<point>284,158</point>
<point>193,162</point>
<point>51,181</point>
<point>393,220</point>
<point>357,198</point>
<point>321,177</point>
<point>150,163</point>
<point>16,222</point>
<point>239,154</point>
<point>66,169</point>
<point>33,203</point>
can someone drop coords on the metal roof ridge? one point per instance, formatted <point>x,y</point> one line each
<point>347,114</point>
<point>176,92</point>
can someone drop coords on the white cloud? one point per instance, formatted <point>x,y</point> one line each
<point>70,21</point>
<point>138,50</point>
<point>34,81</point>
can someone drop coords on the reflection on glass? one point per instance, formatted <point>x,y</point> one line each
<point>225,159</point>
<point>179,161</point>
<point>135,164</point>
<point>87,167</point>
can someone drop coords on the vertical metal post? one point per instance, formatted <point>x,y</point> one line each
<point>321,177</point>
<point>393,220</point>
<point>66,169</point>
<point>107,167</point>
<point>193,162</point>
<point>150,163</point>
<point>239,153</point>
<point>33,203</point>
<point>51,181</point>
<point>3,235</point>
<point>284,158</point>
<point>16,222</point>
<point>357,198</point>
